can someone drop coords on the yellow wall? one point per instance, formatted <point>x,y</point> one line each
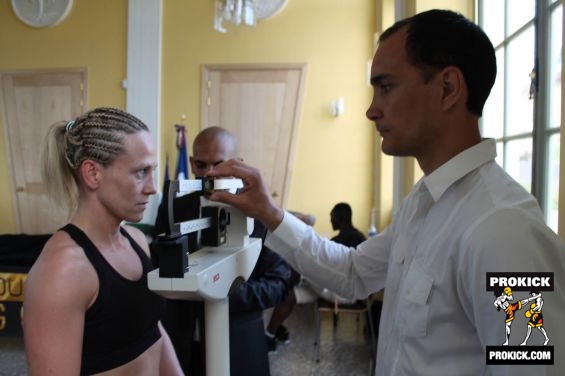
<point>333,155</point>
<point>465,7</point>
<point>92,36</point>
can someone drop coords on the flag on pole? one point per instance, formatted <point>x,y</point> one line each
<point>182,163</point>
<point>166,179</point>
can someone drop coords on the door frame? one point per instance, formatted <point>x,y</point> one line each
<point>300,67</point>
<point>8,118</point>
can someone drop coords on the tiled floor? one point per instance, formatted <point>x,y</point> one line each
<point>12,358</point>
<point>344,351</point>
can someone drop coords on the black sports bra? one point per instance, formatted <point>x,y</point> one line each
<point>122,322</point>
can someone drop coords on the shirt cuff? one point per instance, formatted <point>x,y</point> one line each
<point>288,234</point>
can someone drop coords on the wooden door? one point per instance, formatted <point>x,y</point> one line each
<point>261,105</point>
<point>32,101</point>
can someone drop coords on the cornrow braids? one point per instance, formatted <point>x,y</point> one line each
<point>96,135</point>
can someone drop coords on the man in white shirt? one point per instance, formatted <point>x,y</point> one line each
<point>431,76</point>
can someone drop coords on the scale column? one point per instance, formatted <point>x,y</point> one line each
<point>217,328</point>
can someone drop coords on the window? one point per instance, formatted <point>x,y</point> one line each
<point>523,112</point>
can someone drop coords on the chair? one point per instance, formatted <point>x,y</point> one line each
<point>337,306</point>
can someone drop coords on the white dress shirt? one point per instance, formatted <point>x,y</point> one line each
<point>463,220</point>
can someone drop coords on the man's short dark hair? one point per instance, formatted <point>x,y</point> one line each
<point>440,38</point>
<point>342,212</point>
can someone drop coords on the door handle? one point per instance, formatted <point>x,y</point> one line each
<point>275,194</point>
<point>20,189</point>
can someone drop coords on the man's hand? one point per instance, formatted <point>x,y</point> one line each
<point>254,199</point>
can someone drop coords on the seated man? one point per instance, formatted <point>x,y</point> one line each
<point>348,235</point>
<point>341,219</point>
<point>266,287</point>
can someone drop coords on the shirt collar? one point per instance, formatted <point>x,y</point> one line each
<point>468,160</point>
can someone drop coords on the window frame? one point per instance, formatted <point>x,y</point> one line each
<point>541,131</point>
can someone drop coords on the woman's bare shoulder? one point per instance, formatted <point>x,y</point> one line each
<point>62,250</point>
<point>62,264</point>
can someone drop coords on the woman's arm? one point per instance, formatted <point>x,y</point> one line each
<point>58,290</point>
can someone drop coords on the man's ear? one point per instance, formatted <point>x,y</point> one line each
<point>454,87</point>
<point>91,173</point>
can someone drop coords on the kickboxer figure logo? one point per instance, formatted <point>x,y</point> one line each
<point>536,317</point>
<point>504,302</point>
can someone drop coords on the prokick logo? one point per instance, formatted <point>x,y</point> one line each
<point>529,297</point>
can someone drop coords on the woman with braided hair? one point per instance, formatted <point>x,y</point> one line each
<point>87,307</point>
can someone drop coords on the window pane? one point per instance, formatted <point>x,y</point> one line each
<point>556,43</point>
<point>520,12</point>
<point>519,107</point>
<point>491,12</point>
<point>518,161</point>
<point>508,115</point>
<point>492,123</point>
<point>552,199</point>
